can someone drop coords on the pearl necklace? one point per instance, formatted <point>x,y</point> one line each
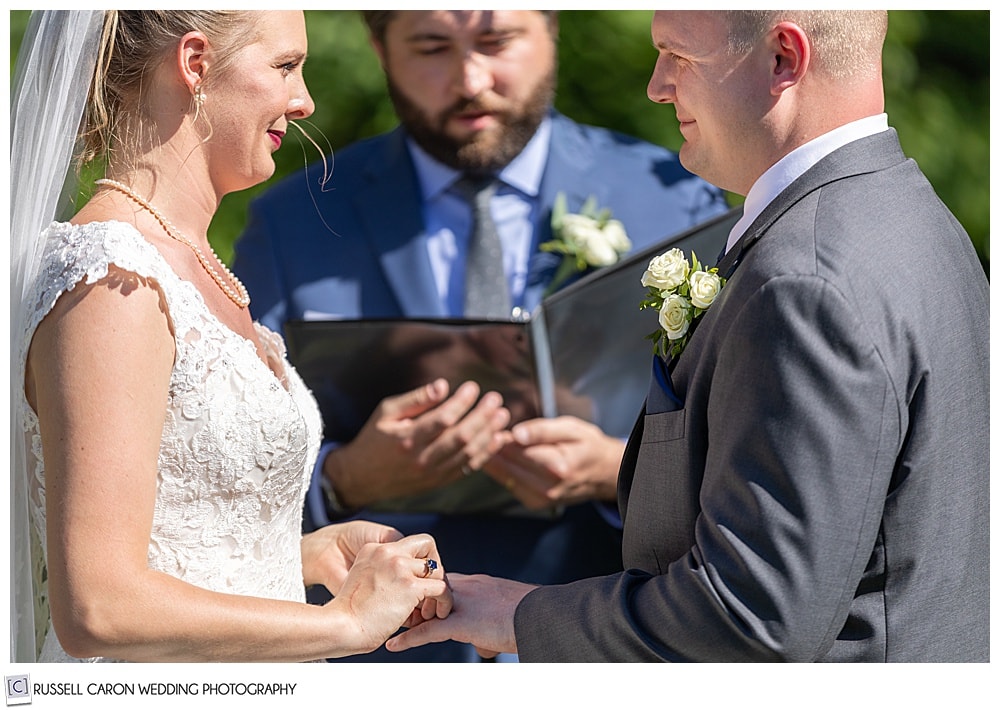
<point>239,296</point>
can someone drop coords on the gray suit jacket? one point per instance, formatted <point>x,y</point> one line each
<point>823,493</point>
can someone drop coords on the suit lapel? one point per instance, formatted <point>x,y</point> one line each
<point>878,152</point>
<point>568,159</point>
<point>866,155</point>
<point>389,208</point>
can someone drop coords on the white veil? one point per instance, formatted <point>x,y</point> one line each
<point>52,80</point>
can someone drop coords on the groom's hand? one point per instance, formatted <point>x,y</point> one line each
<point>482,615</point>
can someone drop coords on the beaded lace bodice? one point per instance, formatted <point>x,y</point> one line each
<point>238,445</point>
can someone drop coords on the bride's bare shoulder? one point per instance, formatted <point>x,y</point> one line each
<point>106,207</point>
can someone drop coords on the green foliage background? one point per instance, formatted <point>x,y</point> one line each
<point>936,75</point>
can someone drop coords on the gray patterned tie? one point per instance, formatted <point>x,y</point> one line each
<point>486,294</point>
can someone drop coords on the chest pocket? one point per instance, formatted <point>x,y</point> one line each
<point>666,426</point>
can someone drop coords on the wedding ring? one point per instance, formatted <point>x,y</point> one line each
<point>429,567</point>
<point>466,471</point>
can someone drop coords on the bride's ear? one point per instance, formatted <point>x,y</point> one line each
<point>193,59</point>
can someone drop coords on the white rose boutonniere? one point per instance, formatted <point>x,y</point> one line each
<point>680,292</point>
<point>588,239</point>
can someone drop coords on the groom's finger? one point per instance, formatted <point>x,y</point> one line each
<point>430,631</point>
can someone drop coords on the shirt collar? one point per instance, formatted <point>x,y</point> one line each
<point>523,173</point>
<point>783,173</point>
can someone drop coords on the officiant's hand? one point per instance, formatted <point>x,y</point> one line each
<point>559,461</point>
<point>483,616</point>
<point>418,441</point>
<point>390,585</point>
<point>329,553</point>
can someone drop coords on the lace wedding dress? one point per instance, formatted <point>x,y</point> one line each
<point>238,445</point>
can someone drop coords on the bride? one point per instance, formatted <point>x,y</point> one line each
<point>162,442</point>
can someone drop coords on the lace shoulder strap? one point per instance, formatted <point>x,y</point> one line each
<point>75,254</point>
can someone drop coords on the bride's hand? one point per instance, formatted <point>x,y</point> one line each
<point>328,553</point>
<point>392,585</point>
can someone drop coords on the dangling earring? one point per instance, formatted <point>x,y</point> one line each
<point>199,100</point>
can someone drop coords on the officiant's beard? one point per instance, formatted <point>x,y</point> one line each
<point>486,151</point>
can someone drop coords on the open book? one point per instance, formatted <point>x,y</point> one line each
<point>582,352</point>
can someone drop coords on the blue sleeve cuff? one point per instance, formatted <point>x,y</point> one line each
<point>316,500</point>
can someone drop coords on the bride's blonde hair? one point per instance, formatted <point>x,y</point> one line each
<point>133,44</point>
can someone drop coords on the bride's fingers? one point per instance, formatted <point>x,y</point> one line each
<point>438,606</point>
<point>443,606</point>
<point>428,609</point>
<point>428,567</point>
<point>427,560</point>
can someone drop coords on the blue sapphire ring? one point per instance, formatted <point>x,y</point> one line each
<point>429,567</point>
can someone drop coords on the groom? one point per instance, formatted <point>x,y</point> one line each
<point>822,494</point>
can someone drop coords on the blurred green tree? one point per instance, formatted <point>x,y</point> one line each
<point>936,76</point>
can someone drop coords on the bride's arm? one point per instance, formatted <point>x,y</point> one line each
<point>98,375</point>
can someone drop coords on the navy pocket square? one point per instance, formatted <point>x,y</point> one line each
<point>661,397</point>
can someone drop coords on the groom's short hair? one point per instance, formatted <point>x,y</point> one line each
<point>846,43</point>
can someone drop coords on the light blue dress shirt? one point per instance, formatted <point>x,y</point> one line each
<point>448,218</point>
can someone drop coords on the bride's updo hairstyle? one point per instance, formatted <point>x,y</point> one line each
<point>133,44</point>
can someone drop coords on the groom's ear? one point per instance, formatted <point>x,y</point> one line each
<point>193,58</point>
<point>791,56</point>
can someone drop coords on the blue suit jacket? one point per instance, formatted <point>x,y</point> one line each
<point>357,248</point>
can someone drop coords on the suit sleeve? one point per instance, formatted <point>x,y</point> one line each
<point>803,429</point>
